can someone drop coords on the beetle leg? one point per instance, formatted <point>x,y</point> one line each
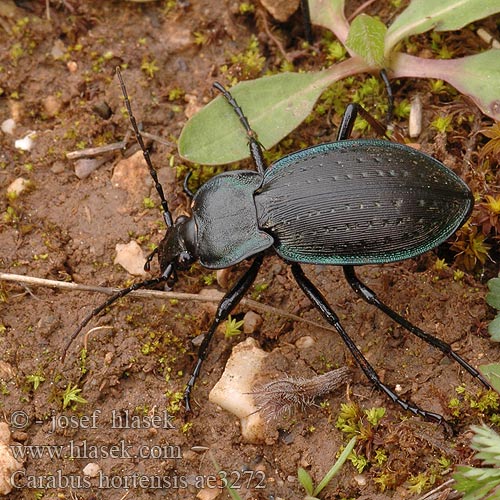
<point>306,20</point>
<point>369,296</point>
<point>351,112</point>
<point>149,258</point>
<point>315,296</point>
<point>253,142</point>
<point>226,305</point>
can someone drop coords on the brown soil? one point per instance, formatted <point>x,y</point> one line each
<point>57,78</point>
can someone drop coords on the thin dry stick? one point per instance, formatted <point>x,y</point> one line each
<point>215,296</point>
<point>434,494</point>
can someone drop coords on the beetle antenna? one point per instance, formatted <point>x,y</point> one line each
<point>390,95</point>
<point>118,295</point>
<point>167,216</point>
<point>253,142</point>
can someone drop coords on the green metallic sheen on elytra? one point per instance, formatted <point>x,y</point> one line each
<point>357,202</point>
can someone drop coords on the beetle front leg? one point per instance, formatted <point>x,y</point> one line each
<point>369,296</point>
<point>315,296</point>
<point>226,305</point>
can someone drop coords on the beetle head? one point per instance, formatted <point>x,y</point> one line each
<point>177,250</point>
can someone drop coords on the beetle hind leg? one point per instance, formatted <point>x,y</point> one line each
<point>369,296</point>
<point>322,305</point>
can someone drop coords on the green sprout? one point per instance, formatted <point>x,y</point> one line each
<point>148,202</point>
<point>149,67</point>
<point>35,379</point>
<point>71,396</point>
<point>233,327</point>
<point>306,480</point>
<point>442,124</point>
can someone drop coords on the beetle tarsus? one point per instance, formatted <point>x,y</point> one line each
<point>185,185</point>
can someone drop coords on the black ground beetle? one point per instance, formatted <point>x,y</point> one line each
<point>346,203</point>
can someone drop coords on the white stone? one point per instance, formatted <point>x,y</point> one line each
<point>17,186</point>
<point>91,470</point>
<point>130,257</point>
<point>8,126</point>
<point>233,392</point>
<point>26,143</point>
<point>8,464</point>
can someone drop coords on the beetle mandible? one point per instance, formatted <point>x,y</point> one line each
<point>349,202</point>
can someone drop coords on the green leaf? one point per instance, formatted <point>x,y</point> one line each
<point>476,483</point>
<point>492,373</point>
<point>443,15</point>
<point>481,482</point>
<point>493,297</point>
<point>330,15</point>
<point>274,106</point>
<point>305,480</point>
<point>487,443</point>
<point>366,38</point>
<point>494,329</point>
<point>476,76</point>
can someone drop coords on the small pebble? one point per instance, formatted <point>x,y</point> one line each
<point>26,143</point>
<point>91,470</point>
<point>208,493</point>
<point>222,276</point>
<point>7,371</point>
<point>305,342</point>
<point>415,120</point>
<point>281,10</point>
<point>20,436</point>
<point>85,166</point>
<point>360,479</point>
<point>193,105</point>
<point>58,49</point>
<point>17,186</point>
<point>233,391</point>
<point>132,174</point>
<point>130,257</point>
<point>4,433</point>
<point>52,105</point>
<point>8,464</point>
<point>58,167</point>
<point>251,322</point>
<point>8,126</point>
<point>72,66</point>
